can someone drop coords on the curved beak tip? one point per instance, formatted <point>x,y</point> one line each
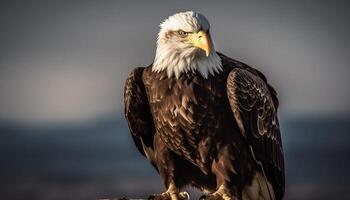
<point>207,53</point>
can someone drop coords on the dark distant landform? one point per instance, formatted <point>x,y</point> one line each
<point>97,160</point>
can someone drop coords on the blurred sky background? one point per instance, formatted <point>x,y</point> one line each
<point>62,70</point>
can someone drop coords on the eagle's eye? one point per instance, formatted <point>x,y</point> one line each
<point>182,33</point>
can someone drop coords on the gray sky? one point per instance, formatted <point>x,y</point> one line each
<point>67,61</point>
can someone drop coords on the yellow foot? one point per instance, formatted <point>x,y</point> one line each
<point>223,193</point>
<point>169,196</point>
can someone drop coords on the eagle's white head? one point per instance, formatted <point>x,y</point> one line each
<point>184,44</point>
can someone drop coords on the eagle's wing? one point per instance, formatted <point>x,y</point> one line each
<point>137,111</point>
<point>254,105</point>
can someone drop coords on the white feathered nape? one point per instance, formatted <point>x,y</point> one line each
<point>178,57</point>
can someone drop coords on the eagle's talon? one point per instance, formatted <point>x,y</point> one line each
<point>184,196</point>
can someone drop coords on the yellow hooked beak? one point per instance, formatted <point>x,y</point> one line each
<point>202,40</point>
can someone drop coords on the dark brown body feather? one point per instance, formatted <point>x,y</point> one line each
<point>204,132</point>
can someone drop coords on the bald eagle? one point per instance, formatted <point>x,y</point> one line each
<point>204,119</point>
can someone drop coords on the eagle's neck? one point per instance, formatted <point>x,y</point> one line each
<point>177,62</point>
